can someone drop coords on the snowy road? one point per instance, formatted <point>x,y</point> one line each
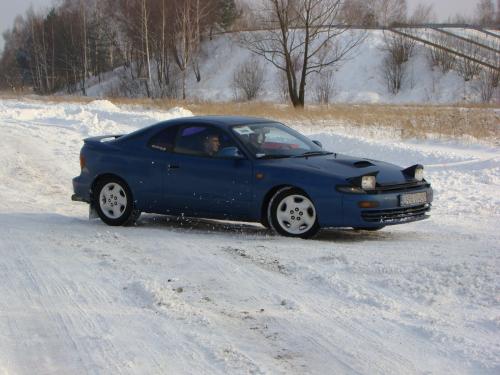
<point>174,296</point>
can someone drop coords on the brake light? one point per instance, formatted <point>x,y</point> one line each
<point>82,161</point>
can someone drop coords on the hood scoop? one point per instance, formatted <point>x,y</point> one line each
<point>355,163</point>
<point>363,164</point>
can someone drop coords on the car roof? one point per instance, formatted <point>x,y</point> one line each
<point>222,121</point>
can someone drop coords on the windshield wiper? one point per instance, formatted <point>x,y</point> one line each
<point>276,156</point>
<point>313,153</point>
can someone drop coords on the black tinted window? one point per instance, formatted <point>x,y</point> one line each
<point>164,141</point>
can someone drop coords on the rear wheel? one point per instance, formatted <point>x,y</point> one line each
<point>113,202</point>
<point>291,213</point>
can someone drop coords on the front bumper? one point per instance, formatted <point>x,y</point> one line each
<point>397,215</point>
<point>388,210</point>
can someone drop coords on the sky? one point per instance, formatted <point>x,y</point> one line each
<point>9,9</point>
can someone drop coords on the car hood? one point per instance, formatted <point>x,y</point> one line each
<point>345,166</point>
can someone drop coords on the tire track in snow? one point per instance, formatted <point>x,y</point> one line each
<point>69,327</point>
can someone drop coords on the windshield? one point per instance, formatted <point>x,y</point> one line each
<point>275,140</point>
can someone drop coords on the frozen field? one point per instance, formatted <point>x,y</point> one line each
<point>174,296</point>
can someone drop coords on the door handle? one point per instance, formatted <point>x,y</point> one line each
<point>172,166</point>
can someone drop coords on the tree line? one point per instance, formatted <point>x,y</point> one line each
<point>79,39</point>
<point>152,46</point>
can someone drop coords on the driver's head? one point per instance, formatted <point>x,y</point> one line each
<point>211,144</point>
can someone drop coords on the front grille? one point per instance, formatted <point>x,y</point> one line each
<point>407,186</point>
<point>397,215</point>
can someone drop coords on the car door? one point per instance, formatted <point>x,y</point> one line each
<point>201,182</point>
<point>154,171</point>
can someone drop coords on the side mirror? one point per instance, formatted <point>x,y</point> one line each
<point>318,143</point>
<point>230,153</point>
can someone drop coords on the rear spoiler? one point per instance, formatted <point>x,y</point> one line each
<point>101,139</point>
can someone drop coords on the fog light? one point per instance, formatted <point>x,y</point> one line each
<point>368,204</point>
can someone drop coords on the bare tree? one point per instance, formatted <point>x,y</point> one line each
<point>187,35</point>
<point>399,50</point>
<point>281,82</point>
<point>303,38</point>
<point>183,39</point>
<point>468,68</point>
<point>442,59</point>
<point>324,87</point>
<point>248,17</point>
<point>485,12</point>
<point>160,27</point>
<point>389,12</point>
<point>83,11</point>
<point>14,62</point>
<point>356,12</point>
<point>422,14</point>
<point>144,22</point>
<point>498,12</point>
<point>248,80</point>
<point>488,85</point>
<point>374,12</point>
<point>394,73</point>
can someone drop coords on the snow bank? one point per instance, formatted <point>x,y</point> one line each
<point>104,105</point>
<point>179,112</point>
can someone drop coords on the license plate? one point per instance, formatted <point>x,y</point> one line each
<point>413,199</point>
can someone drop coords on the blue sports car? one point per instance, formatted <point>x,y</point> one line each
<point>244,169</point>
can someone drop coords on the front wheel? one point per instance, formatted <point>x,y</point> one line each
<point>291,213</point>
<point>113,202</point>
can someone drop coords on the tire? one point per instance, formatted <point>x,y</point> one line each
<point>113,202</point>
<point>265,222</point>
<point>291,213</point>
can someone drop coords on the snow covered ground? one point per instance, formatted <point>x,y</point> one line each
<point>178,296</point>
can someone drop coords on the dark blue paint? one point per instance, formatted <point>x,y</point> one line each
<point>169,183</point>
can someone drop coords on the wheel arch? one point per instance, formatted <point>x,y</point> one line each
<point>106,175</point>
<point>270,194</point>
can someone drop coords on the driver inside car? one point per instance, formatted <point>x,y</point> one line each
<point>211,144</point>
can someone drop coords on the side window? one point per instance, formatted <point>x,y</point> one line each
<point>207,141</point>
<point>164,140</point>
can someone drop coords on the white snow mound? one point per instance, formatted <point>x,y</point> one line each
<point>104,105</point>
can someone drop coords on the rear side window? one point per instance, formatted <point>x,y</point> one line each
<point>164,140</point>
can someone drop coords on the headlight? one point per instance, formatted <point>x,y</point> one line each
<point>419,173</point>
<point>368,182</point>
<point>360,184</point>
<point>414,172</point>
